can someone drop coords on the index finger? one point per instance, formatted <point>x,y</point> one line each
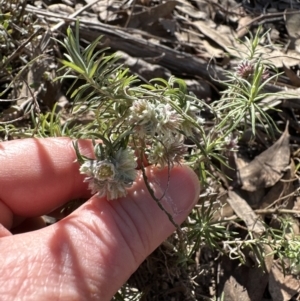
<point>39,175</point>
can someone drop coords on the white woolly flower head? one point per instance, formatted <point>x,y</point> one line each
<point>150,119</point>
<point>111,177</point>
<point>143,117</point>
<point>168,151</point>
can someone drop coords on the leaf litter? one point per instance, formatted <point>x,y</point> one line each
<point>198,41</point>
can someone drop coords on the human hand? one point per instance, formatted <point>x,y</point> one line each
<point>89,254</point>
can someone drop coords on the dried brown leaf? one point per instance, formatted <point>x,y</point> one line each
<point>294,78</point>
<point>282,287</point>
<point>277,57</point>
<point>242,282</point>
<point>214,35</point>
<point>281,189</point>
<point>268,167</point>
<point>212,51</point>
<point>245,212</point>
<point>186,8</point>
<point>292,23</point>
<point>60,8</point>
<point>242,28</point>
<point>152,14</point>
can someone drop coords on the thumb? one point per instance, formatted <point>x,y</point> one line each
<point>102,243</point>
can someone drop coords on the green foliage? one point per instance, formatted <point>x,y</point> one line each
<point>242,103</point>
<point>154,121</point>
<point>203,230</point>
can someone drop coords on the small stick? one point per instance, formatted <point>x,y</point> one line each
<point>75,14</point>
